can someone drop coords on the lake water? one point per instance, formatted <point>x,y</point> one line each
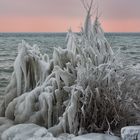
<point>129,44</point>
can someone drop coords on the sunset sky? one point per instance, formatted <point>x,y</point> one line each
<point>59,15</point>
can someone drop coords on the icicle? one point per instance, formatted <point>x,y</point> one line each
<point>88,24</point>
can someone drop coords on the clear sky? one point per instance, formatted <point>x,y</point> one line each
<point>59,15</point>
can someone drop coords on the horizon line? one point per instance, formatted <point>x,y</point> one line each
<point>66,32</point>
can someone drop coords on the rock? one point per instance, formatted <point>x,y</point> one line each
<point>96,136</point>
<point>26,132</point>
<point>5,124</point>
<point>130,133</point>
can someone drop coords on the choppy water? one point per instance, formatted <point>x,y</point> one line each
<point>128,43</point>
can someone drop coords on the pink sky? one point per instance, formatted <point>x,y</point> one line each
<point>59,15</point>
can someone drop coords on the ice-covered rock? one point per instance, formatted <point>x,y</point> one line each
<point>96,136</point>
<point>5,124</point>
<point>25,132</point>
<point>31,132</point>
<point>130,133</point>
<point>35,132</point>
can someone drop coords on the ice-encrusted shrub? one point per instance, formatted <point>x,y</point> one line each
<point>83,88</point>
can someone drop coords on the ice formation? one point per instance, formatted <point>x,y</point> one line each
<point>130,133</point>
<point>26,132</point>
<point>96,136</point>
<point>84,88</point>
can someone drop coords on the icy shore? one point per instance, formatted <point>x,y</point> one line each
<point>34,132</point>
<point>85,88</point>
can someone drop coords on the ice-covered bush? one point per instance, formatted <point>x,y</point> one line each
<point>83,88</point>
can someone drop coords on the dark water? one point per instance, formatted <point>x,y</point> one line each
<point>129,44</point>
